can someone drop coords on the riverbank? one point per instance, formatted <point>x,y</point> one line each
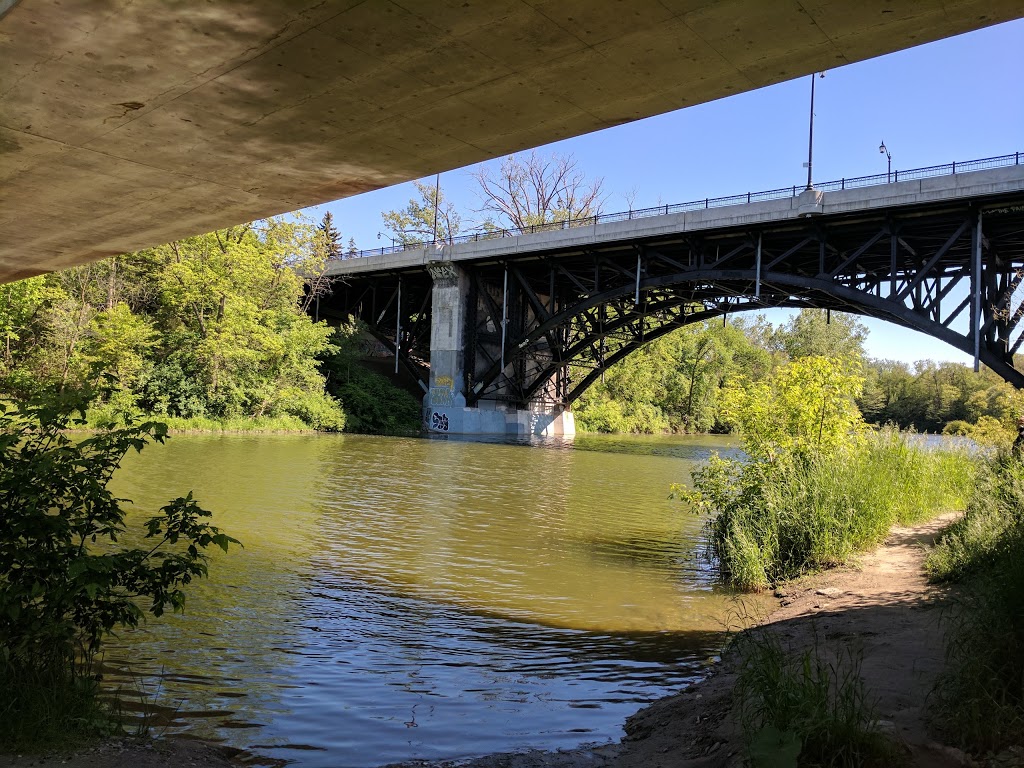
<point>882,607</point>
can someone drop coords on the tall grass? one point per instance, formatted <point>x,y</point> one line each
<point>100,419</point>
<point>980,697</point>
<point>50,707</point>
<point>989,529</point>
<point>776,519</point>
<point>804,709</point>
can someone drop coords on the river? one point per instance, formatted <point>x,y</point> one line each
<point>404,598</point>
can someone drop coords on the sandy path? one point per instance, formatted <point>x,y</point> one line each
<point>881,606</point>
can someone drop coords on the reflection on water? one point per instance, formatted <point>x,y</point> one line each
<point>401,598</point>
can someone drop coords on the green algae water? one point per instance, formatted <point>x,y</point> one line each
<point>403,598</point>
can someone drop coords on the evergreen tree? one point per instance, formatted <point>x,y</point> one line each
<point>331,238</point>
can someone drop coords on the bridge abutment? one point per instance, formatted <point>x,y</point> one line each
<point>444,406</point>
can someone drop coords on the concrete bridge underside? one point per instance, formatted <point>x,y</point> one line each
<point>129,124</point>
<point>505,334</point>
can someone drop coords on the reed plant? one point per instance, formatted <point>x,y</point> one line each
<point>807,709</point>
<point>775,518</point>
<point>50,706</point>
<point>990,525</point>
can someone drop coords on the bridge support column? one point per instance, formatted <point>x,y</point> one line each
<point>444,406</point>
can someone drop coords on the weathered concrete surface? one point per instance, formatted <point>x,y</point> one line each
<point>126,124</point>
<point>490,418</point>
<point>444,405</point>
<point>954,187</point>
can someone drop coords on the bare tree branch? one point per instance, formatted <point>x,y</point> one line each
<point>536,189</point>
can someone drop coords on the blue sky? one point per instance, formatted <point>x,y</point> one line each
<point>956,99</point>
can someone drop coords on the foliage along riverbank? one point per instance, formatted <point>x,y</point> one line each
<point>677,383</point>
<point>816,486</point>
<point>210,333</point>
<point>214,331</point>
<point>816,490</point>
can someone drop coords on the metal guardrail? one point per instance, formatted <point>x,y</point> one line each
<point>877,179</point>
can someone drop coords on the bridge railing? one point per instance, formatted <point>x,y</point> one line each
<point>856,182</point>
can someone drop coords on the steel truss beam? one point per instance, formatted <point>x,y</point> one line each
<point>569,315</point>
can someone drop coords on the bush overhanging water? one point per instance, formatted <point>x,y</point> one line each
<point>65,583</point>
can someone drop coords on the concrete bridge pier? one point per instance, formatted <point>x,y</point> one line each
<point>444,406</point>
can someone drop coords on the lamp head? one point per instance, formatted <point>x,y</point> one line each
<point>881,148</point>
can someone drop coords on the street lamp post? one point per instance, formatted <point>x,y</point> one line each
<point>810,132</point>
<point>885,151</point>
<point>437,193</point>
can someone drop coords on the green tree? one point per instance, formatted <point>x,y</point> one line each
<point>330,237</point>
<point>19,306</point>
<point>675,382</point>
<point>702,364</point>
<point>808,405</point>
<point>815,332</point>
<point>120,342</point>
<point>234,296</point>
<point>428,217</point>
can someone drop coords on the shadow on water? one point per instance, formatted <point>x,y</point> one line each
<point>405,598</point>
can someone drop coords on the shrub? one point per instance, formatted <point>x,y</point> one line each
<point>65,583</point>
<point>372,404</point>
<point>317,409</point>
<point>958,428</point>
<point>815,488</point>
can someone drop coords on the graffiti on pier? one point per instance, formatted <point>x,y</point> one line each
<point>439,421</point>
<point>443,392</point>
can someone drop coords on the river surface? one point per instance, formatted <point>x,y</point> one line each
<point>404,598</point>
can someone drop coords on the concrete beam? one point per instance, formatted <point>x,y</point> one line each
<point>128,124</point>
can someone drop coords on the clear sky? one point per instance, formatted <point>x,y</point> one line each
<point>956,99</point>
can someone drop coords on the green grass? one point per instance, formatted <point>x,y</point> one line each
<point>990,525</point>
<point>237,424</point>
<point>775,520</point>
<point>203,424</point>
<point>979,699</point>
<point>50,708</point>
<point>806,710</point>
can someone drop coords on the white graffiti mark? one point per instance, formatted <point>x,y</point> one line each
<point>439,421</point>
<point>442,396</point>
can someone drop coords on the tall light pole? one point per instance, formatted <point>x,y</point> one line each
<point>437,192</point>
<point>885,151</point>
<point>810,132</point>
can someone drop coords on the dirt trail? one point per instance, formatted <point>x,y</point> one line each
<point>881,606</point>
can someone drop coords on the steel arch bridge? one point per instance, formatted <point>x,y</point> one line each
<point>542,325</point>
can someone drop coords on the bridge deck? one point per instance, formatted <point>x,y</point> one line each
<point>904,194</point>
